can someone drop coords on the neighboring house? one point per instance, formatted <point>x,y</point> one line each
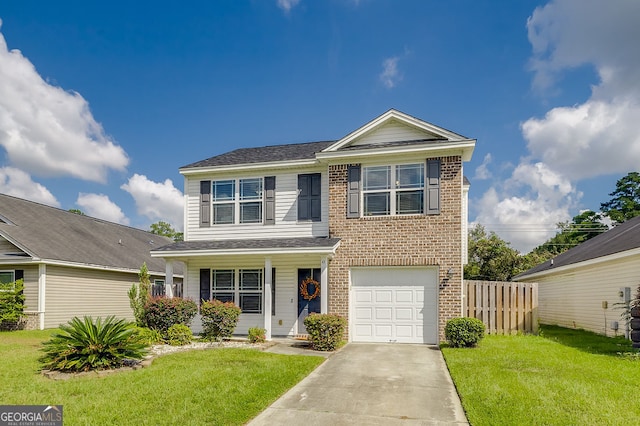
<point>372,227</point>
<point>73,265</point>
<point>581,287</point>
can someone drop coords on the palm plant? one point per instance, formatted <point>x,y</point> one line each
<point>84,345</point>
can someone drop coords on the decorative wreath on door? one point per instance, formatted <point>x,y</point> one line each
<point>304,289</point>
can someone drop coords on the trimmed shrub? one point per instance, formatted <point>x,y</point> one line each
<point>149,336</point>
<point>325,331</point>
<point>464,332</point>
<point>179,335</point>
<point>11,305</point>
<point>84,345</point>
<point>160,313</point>
<point>257,335</point>
<point>219,319</point>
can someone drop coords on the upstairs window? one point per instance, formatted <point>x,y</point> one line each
<point>237,201</point>
<point>393,190</point>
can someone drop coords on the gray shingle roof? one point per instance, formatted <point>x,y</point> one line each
<point>625,236</point>
<point>264,154</point>
<point>266,244</point>
<point>49,233</point>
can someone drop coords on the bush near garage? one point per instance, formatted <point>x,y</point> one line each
<point>464,332</point>
<point>325,331</point>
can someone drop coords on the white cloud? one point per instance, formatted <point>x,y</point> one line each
<point>592,139</point>
<point>287,5</point>
<point>17,183</point>
<point>390,75</point>
<point>596,137</point>
<point>48,131</point>
<point>544,199</point>
<point>100,206</point>
<point>482,171</point>
<point>157,200</point>
<point>566,34</point>
<point>599,136</point>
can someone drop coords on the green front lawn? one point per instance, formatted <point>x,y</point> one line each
<point>562,377</point>
<point>217,386</point>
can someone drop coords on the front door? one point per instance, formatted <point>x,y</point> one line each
<point>308,295</point>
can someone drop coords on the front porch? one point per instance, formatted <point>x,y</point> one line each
<point>263,277</point>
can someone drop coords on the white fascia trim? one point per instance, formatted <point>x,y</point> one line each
<point>250,166</point>
<point>392,113</point>
<point>464,148</point>
<point>17,261</point>
<point>584,263</point>
<point>239,252</point>
<point>95,267</point>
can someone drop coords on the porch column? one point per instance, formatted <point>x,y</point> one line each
<point>168,279</point>
<point>268,273</point>
<point>324,285</point>
<point>42,293</point>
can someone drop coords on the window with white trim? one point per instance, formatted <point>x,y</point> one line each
<point>6,278</point>
<point>393,190</point>
<point>237,201</point>
<point>244,287</point>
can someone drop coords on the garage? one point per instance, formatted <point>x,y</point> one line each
<point>398,305</point>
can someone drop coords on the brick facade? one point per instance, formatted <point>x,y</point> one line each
<point>399,241</point>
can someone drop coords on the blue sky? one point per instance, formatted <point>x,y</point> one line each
<point>100,104</point>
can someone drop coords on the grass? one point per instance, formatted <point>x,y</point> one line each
<point>218,386</point>
<point>561,377</point>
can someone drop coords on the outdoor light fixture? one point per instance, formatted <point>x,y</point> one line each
<point>449,273</point>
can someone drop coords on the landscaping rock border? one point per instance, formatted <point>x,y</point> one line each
<point>154,352</point>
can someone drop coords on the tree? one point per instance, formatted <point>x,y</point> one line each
<point>490,257</point>
<point>582,227</point>
<point>625,203</point>
<point>77,211</point>
<point>166,230</point>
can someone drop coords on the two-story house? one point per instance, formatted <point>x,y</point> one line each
<point>372,227</point>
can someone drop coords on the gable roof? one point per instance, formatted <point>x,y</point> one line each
<point>431,131</point>
<point>619,239</point>
<point>423,137</point>
<point>50,234</point>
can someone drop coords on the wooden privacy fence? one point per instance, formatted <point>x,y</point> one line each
<point>503,307</point>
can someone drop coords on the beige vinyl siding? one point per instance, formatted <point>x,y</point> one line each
<point>286,289</point>
<point>30,287</point>
<point>77,292</point>
<point>30,284</point>
<point>574,299</point>
<point>286,224</point>
<point>393,131</point>
<point>7,247</point>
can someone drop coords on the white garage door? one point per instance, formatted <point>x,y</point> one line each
<point>394,305</point>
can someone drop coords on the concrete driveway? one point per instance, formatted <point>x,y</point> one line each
<point>372,384</point>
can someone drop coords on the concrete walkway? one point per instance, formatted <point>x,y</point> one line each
<point>372,384</point>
